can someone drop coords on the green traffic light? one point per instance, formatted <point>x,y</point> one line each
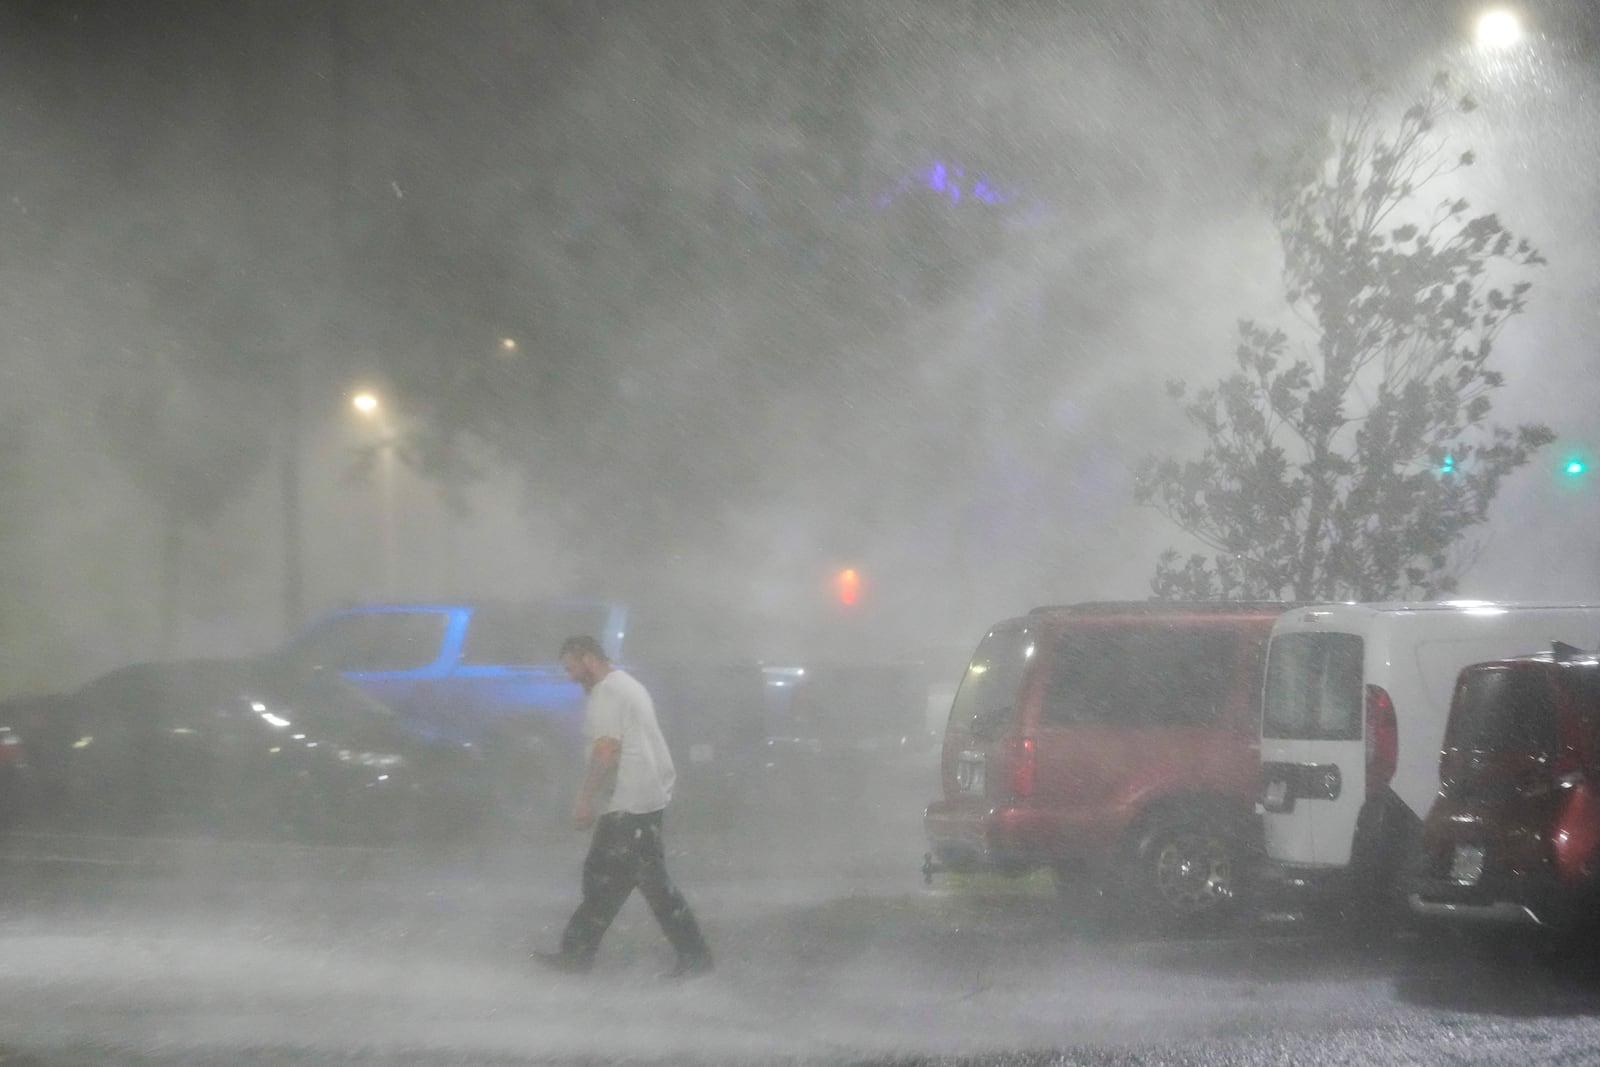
<point>1448,466</point>
<point>1576,466</point>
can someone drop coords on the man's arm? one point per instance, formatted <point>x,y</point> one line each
<point>599,782</point>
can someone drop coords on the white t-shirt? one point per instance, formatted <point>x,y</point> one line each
<point>618,706</point>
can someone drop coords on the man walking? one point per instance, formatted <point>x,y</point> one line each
<point>624,793</point>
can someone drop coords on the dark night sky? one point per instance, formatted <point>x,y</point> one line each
<point>753,343</point>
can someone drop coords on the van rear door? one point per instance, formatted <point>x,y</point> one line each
<point>1313,753</point>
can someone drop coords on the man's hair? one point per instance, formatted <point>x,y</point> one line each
<point>583,645</point>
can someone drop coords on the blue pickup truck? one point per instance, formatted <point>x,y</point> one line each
<point>487,675</point>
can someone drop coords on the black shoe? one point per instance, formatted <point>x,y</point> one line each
<point>561,962</point>
<point>691,967</point>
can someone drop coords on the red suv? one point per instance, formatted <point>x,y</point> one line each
<point>1118,740</point>
<point>1514,835</point>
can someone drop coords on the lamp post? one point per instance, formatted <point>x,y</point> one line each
<point>289,478</point>
<point>370,407</point>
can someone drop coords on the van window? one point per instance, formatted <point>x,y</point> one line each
<point>1503,710</point>
<point>372,641</point>
<point>1140,676</point>
<point>1314,687</point>
<point>989,689</point>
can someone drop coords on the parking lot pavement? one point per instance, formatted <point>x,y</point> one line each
<point>221,947</point>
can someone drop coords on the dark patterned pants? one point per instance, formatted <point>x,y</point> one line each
<point>625,853</point>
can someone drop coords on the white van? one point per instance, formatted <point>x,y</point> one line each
<point>1353,717</point>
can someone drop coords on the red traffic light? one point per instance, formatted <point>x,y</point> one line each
<point>847,586</point>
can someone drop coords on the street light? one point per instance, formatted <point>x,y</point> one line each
<point>1499,28</point>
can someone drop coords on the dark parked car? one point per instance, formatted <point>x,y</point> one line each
<point>1514,836</point>
<point>11,776</point>
<point>239,749</point>
<point>1117,739</point>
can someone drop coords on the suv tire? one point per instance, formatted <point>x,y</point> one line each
<point>1186,870</point>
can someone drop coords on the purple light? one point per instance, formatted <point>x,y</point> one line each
<point>949,180</point>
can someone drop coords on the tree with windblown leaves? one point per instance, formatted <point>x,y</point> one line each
<point>1348,461</point>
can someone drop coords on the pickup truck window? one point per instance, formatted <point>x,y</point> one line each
<point>515,636</point>
<point>372,641</point>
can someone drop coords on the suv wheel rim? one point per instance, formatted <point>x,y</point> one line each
<point>1193,873</point>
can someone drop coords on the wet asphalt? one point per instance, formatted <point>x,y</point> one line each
<point>831,949</point>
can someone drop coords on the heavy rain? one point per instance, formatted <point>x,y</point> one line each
<point>354,355</point>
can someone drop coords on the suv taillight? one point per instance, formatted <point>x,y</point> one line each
<point>1383,740</point>
<point>1021,756</point>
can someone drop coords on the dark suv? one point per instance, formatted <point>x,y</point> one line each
<point>1113,739</point>
<point>1514,835</point>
